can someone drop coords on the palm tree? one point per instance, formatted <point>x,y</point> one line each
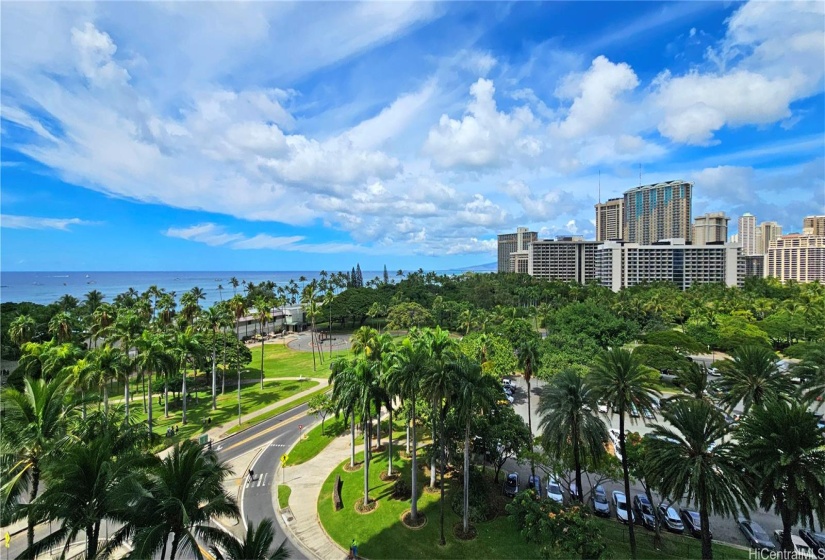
<point>309,301</point>
<point>101,322</point>
<point>187,344</point>
<point>475,394</point>
<point>620,379</point>
<point>177,499</point>
<point>782,446</point>
<point>128,328</point>
<point>528,360</point>
<point>61,326</point>
<point>33,429</point>
<point>256,545</point>
<point>153,356</point>
<point>752,377</point>
<point>344,396</point>
<point>81,375</point>
<point>84,483</point>
<point>109,363</point>
<point>694,462</point>
<point>438,384</point>
<point>214,319</point>
<point>92,301</point>
<point>22,330</point>
<point>264,314</point>
<point>693,377</point>
<point>811,370</point>
<point>407,366</point>
<point>569,421</point>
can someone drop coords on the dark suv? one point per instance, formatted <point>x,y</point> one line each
<point>511,485</point>
<point>644,511</point>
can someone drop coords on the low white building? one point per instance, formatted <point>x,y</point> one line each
<point>290,318</point>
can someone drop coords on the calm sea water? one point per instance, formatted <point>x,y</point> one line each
<point>47,287</point>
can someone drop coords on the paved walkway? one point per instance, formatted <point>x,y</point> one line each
<point>306,480</point>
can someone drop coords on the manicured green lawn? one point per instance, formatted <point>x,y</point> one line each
<point>283,495</point>
<point>281,361</point>
<point>276,411</point>
<point>252,398</point>
<point>382,535</point>
<point>315,442</point>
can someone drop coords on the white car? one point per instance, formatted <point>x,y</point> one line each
<point>714,371</point>
<point>801,548</point>
<point>623,512</point>
<point>603,408</point>
<point>554,491</point>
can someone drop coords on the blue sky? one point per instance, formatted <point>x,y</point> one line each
<point>279,136</point>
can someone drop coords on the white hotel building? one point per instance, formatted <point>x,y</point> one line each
<point>620,264</point>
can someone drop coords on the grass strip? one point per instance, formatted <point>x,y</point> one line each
<point>283,496</point>
<point>275,412</point>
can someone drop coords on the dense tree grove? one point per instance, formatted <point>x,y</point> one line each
<point>430,349</point>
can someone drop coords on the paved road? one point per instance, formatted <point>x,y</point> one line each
<point>273,437</point>
<point>724,529</point>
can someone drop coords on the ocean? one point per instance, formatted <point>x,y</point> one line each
<point>48,287</point>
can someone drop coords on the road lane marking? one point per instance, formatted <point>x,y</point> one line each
<point>259,434</point>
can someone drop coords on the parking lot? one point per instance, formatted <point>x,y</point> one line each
<point>723,529</point>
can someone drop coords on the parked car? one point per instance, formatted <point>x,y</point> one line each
<point>644,511</point>
<point>507,390</point>
<point>693,522</point>
<point>602,407</point>
<point>599,500</point>
<point>755,534</point>
<point>815,540</point>
<point>534,482</point>
<point>554,491</point>
<point>506,382</point>
<point>623,513</point>
<point>714,371</point>
<point>509,398</point>
<point>648,414</point>
<point>634,412</point>
<point>670,519</point>
<point>800,547</point>
<point>511,485</point>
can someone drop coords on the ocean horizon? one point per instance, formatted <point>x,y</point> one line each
<point>49,286</point>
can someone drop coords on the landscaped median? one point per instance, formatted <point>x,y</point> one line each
<point>284,492</point>
<point>314,441</point>
<point>280,410</point>
<point>381,533</point>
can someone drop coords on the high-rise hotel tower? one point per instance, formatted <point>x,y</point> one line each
<point>656,212</point>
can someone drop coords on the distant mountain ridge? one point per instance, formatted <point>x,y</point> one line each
<point>487,267</point>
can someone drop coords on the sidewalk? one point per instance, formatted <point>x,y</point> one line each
<point>306,480</point>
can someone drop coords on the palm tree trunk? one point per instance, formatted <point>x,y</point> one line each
<point>378,428</point>
<point>312,345</point>
<point>32,498</point>
<point>126,394</point>
<point>143,390</point>
<point>577,465</point>
<point>166,394</point>
<point>787,525</point>
<point>183,419</point>
<point>432,455</point>
<point>467,477</point>
<point>366,460</point>
<point>414,472</point>
<point>704,522</point>
<point>83,403</point>
<point>223,369</point>
<point>175,540</point>
<point>214,375</point>
<point>443,447</point>
<point>163,550</point>
<point>262,362</point>
<point>626,473</point>
<point>389,446</point>
<point>91,543</point>
<point>106,398</point>
<point>530,426</point>
<point>149,413</point>
<point>657,527</point>
<point>408,434</point>
<point>352,441</point>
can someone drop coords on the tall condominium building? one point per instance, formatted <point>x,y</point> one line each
<point>565,258</point>
<point>620,264</point>
<point>754,265</point>
<point>813,225</point>
<point>767,232</point>
<point>655,212</point>
<point>610,219</point>
<point>747,233</point>
<point>797,257</point>
<point>733,238</point>
<point>511,243</point>
<point>710,228</point>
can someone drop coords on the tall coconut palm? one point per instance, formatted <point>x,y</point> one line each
<point>101,322</point>
<point>811,370</point>
<point>128,328</point>
<point>61,326</point>
<point>438,385</point>
<point>752,376</point>
<point>22,330</point>
<point>441,350</point>
<point>92,301</point>
<point>255,545</point>
<point>475,393</point>
<point>782,446</point>
<point>309,302</point>
<point>264,315</point>
<point>33,429</point>
<point>619,378</point>
<point>408,364</point>
<point>177,499</point>
<point>528,359</point>
<point>153,357</point>
<point>214,320</point>
<point>110,363</point>
<point>81,376</point>
<point>344,396</point>
<point>569,421</point>
<point>187,345</point>
<point>695,463</point>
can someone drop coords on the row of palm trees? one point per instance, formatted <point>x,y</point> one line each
<point>774,458</point>
<point>98,469</point>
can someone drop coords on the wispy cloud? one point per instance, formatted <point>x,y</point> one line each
<point>33,222</point>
